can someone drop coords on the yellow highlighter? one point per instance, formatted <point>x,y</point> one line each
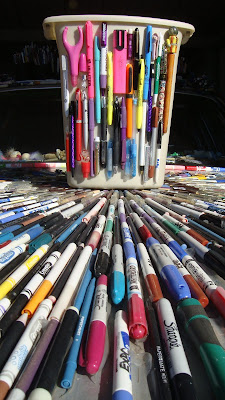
<point>109,88</point>
<point>141,76</point>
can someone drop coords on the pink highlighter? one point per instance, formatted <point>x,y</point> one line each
<point>97,328</point>
<point>119,61</point>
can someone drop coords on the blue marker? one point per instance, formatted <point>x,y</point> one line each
<point>69,230</point>
<point>117,277</point>
<point>148,51</point>
<point>10,228</point>
<point>71,363</point>
<point>172,278</point>
<point>97,81</point>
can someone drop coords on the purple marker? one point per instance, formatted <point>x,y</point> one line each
<point>103,73</point>
<point>123,126</point>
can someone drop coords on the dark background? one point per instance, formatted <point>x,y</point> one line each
<point>201,67</point>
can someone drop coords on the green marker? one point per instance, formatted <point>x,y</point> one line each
<point>200,330</point>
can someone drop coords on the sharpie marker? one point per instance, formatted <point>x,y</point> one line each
<point>199,329</point>
<point>117,279</point>
<point>97,329</point>
<point>151,279</point>
<point>179,370</point>
<point>122,384</point>
<point>137,320</point>
<point>173,280</point>
<point>71,363</point>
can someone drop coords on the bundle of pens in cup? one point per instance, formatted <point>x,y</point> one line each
<point>123,94</point>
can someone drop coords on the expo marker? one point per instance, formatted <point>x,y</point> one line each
<point>23,270</point>
<point>15,362</point>
<point>179,370</point>
<point>10,255</point>
<point>71,363</point>
<point>117,279</point>
<point>151,279</point>
<point>122,384</point>
<point>97,328</point>
<point>137,320</point>
<point>23,239</point>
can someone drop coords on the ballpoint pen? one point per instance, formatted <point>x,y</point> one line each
<point>109,88</point>
<point>103,145</point>
<point>90,74</point>
<point>171,49</point>
<point>123,127</point>
<point>150,96</point>
<point>129,44</point>
<point>117,276</point>
<point>128,159</point>
<point>148,51</point>
<point>109,159</point>
<point>116,139</point>
<point>129,100</point>
<point>64,61</point>
<point>136,57</point>
<point>97,155</point>
<point>155,116</point>
<point>73,52</point>
<point>162,87</point>
<point>97,81</point>
<point>78,124</point>
<point>72,137</point>
<point>133,144</point>
<point>103,74</point>
<point>157,70</point>
<point>141,114</point>
<point>83,70</point>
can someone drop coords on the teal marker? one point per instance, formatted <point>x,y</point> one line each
<point>200,331</point>
<point>97,81</point>
<point>117,277</point>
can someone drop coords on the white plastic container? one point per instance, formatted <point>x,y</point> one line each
<point>53,29</point>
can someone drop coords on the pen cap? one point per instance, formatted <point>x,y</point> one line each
<point>38,242</point>
<point>83,62</point>
<point>137,324</point>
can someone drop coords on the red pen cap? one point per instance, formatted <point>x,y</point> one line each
<point>198,237</point>
<point>153,287</point>
<point>137,325</point>
<point>5,243</point>
<point>85,167</point>
<point>218,299</point>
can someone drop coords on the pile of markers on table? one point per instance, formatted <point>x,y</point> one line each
<point>127,90</point>
<point>63,258</point>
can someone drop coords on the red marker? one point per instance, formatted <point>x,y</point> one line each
<point>78,125</point>
<point>97,329</point>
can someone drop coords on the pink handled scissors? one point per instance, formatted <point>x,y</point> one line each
<point>74,53</point>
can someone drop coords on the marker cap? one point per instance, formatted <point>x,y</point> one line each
<point>117,286</point>
<point>83,63</point>
<point>40,393</point>
<point>85,167</point>
<point>218,298</point>
<point>175,283</point>
<point>137,324</point>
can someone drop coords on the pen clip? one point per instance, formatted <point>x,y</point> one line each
<point>130,79</point>
<point>155,40</point>
<point>120,39</point>
<point>104,35</point>
<point>136,43</point>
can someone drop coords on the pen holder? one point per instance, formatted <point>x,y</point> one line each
<point>146,141</point>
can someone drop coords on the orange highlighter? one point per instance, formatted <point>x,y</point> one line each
<point>78,121</point>
<point>129,99</point>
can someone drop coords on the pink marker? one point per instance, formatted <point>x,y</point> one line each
<point>97,329</point>
<point>119,61</point>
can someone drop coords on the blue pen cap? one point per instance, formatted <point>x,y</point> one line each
<point>175,283</point>
<point>11,228</point>
<point>177,249</point>
<point>148,50</point>
<point>117,286</point>
<point>122,395</point>
<point>28,231</point>
<point>12,217</point>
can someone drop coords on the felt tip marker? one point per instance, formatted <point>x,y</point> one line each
<point>122,384</point>
<point>117,279</point>
<point>179,370</point>
<point>97,329</point>
<point>137,320</point>
<point>151,279</point>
